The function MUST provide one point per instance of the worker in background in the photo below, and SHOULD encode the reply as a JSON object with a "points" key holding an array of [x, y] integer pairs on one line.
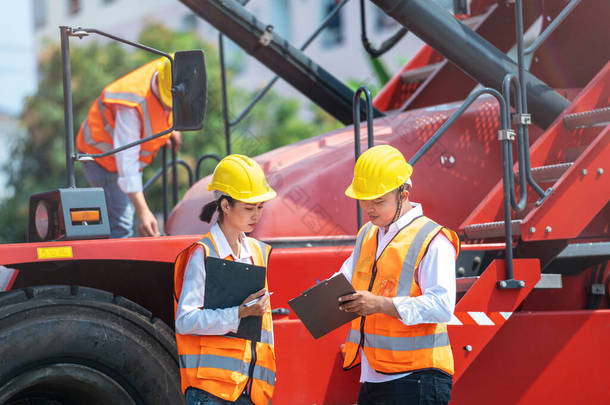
{"points": [[136, 106], [403, 271], [218, 369]]}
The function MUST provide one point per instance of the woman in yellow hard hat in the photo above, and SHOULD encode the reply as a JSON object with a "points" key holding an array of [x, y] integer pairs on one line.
{"points": [[216, 368], [403, 271]]}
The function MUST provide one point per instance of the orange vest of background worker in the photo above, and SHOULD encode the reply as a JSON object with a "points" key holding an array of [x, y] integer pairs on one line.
{"points": [[403, 271], [216, 368], [136, 106]]}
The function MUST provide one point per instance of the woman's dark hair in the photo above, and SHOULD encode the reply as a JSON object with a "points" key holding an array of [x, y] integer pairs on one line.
{"points": [[210, 208]]}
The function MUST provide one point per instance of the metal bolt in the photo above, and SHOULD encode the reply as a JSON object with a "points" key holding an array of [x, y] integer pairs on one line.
{"points": [[503, 284], [521, 283], [600, 171], [468, 348], [584, 172], [548, 229], [461, 271], [532, 229]]}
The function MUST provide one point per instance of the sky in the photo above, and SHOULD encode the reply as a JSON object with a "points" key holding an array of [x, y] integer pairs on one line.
{"points": [[17, 55]]}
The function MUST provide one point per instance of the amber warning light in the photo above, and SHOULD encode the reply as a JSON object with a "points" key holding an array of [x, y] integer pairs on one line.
{"points": [[85, 216]]}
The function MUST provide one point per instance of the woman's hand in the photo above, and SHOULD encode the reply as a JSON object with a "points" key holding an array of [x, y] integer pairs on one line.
{"points": [[257, 309]]}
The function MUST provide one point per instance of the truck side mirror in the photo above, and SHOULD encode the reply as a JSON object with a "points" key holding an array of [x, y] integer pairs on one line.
{"points": [[190, 90]]}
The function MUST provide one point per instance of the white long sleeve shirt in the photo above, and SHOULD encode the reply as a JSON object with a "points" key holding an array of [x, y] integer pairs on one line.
{"points": [[127, 127], [191, 317], [436, 278]]}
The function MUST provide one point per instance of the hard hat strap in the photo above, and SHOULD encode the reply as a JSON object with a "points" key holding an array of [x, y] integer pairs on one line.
{"points": [[398, 204]]}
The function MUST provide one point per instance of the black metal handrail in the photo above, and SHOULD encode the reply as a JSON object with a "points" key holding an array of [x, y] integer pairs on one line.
{"points": [[522, 86], [162, 172], [506, 136], [385, 45], [370, 135], [200, 161], [510, 81]]}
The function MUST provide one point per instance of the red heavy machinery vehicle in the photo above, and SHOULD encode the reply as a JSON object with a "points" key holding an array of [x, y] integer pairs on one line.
{"points": [[87, 320]]}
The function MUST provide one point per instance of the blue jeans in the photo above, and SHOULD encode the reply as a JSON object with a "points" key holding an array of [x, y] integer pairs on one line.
{"points": [[120, 209], [196, 396], [420, 388]]}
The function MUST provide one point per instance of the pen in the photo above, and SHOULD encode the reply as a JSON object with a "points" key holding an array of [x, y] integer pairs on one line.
{"points": [[254, 301]]}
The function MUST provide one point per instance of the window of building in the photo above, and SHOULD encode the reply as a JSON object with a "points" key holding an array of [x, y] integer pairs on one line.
{"points": [[73, 7], [40, 13], [333, 33], [189, 22]]}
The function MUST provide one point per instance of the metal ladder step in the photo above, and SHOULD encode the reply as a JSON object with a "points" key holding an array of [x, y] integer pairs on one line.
{"points": [[595, 118], [419, 74], [549, 173], [491, 229]]}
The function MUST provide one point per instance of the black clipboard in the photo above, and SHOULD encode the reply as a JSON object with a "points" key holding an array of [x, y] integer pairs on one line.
{"points": [[227, 284], [318, 307]]}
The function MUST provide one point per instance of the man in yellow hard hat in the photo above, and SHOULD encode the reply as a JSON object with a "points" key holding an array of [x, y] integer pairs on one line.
{"points": [[135, 106], [403, 271]]}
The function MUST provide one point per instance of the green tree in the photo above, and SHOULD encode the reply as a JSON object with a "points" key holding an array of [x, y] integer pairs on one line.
{"points": [[39, 159]]}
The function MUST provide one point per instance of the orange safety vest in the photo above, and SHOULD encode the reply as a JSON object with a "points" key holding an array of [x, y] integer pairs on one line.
{"points": [[132, 90], [223, 365], [390, 346]]}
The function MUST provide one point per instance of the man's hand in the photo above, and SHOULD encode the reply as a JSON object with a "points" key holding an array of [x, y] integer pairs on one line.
{"points": [[176, 136], [147, 223], [257, 309], [366, 303]]}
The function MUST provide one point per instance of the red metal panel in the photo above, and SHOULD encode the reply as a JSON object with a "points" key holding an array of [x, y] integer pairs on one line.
{"points": [[311, 371], [589, 192], [542, 358], [294, 270], [484, 296]]}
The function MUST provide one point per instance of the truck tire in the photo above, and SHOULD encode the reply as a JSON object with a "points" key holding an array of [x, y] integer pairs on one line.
{"points": [[71, 345]]}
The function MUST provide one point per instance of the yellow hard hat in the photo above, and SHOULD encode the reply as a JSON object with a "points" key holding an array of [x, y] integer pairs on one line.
{"points": [[378, 171], [164, 77], [241, 178]]}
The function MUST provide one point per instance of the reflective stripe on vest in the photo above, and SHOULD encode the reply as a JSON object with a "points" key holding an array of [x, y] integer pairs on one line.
{"points": [[408, 265], [226, 363], [390, 345], [408, 343], [263, 247], [358, 245], [103, 146], [134, 90], [135, 99], [211, 251]]}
